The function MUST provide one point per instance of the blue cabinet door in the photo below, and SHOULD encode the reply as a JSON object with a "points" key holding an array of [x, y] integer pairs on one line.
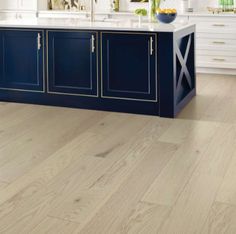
{"points": [[21, 60], [72, 63], [129, 66]]}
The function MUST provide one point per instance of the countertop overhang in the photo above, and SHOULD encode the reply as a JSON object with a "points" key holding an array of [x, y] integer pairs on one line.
{"points": [[81, 24]]}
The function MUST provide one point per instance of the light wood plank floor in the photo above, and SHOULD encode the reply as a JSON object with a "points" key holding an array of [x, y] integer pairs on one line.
{"points": [[80, 171]]}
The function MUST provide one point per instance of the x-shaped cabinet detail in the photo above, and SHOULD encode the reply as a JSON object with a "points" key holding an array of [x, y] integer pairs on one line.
{"points": [[184, 47]]}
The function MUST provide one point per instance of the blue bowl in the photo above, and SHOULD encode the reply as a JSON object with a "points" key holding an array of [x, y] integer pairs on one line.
{"points": [[166, 18]]}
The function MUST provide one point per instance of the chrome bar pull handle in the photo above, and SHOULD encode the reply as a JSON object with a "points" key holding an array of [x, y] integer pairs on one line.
{"points": [[39, 41], [219, 42], [219, 25], [151, 46], [218, 59], [93, 44]]}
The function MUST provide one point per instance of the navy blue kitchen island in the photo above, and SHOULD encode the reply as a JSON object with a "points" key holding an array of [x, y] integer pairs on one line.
{"points": [[133, 69]]}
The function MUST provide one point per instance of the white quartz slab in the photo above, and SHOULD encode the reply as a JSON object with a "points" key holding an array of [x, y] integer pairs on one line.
{"points": [[109, 24], [209, 14]]}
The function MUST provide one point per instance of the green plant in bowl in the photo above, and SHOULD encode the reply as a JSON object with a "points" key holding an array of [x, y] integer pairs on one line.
{"points": [[141, 12]]}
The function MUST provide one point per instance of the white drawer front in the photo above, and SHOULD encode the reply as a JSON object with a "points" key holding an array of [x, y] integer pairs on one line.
{"points": [[214, 19], [207, 52], [216, 24], [216, 28], [217, 42], [216, 47], [215, 36], [216, 61]]}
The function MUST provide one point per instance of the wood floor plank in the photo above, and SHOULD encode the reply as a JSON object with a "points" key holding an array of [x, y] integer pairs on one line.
{"points": [[33, 147], [56, 163], [8, 110], [227, 191], [54, 226], [15, 216], [3, 185], [221, 219], [197, 107], [181, 131], [193, 205], [109, 176], [221, 109], [66, 156], [37, 202], [220, 152], [110, 217], [166, 188], [9, 116], [19, 122], [191, 209], [144, 218], [215, 100], [79, 171], [206, 94], [230, 116]]}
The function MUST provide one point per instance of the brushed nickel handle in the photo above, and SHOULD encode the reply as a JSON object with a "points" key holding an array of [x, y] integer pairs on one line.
{"points": [[93, 44], [219, 25], [219, 42], [218, 59], [39, 41], [151, 46]]}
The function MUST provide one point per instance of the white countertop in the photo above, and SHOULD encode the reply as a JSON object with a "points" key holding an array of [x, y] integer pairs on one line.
{"points": [[131, 14], [208, 14], [108, 24]]}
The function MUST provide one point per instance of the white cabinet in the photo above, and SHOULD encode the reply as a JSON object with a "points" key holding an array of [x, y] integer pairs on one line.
{"points": [[18, 9], [18, 5], [215, 43], [8, 5]]}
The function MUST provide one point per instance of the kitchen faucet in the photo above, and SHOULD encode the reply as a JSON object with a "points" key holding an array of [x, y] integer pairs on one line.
{"points": [[92, 10]]}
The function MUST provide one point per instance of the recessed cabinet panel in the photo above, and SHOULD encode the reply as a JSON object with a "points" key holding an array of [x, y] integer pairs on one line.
{"points": [[129, 66], [18, 5], [9, 4], [72, 61], [22, 60]]}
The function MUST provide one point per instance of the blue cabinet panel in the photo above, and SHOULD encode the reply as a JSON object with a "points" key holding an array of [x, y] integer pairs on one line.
{"points": [[129, 68], [72, 63], [21, 60]]}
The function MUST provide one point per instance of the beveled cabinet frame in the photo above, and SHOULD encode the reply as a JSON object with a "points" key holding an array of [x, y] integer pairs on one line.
{"points": [[156, 67], [43, 62], [97, 63]]}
